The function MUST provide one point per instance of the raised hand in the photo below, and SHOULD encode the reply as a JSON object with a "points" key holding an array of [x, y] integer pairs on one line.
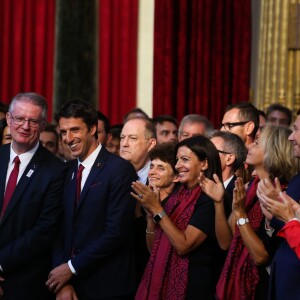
{"points": [[213, 188], [239, 198], [147, 196]]}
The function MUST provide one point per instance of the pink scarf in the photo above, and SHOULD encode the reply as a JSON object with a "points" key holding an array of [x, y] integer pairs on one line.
{"points": [[240, 275], [166, 274]]}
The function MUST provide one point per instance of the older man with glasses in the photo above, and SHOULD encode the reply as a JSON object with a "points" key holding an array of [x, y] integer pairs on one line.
{"points": [[31, 186]]}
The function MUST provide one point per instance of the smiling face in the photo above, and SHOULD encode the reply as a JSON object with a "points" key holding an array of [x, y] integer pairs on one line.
{"points": [[77, 137], [161, 174], [189, 166], [295, 137], [26, 135]]}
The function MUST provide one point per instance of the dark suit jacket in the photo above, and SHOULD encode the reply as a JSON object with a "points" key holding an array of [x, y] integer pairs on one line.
{"points": [[30, 225], [229, 196], [99, 232]]}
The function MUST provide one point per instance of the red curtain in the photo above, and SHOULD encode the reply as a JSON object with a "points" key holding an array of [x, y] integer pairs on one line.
{"points": [[27, 29], [201, 56], [117, 57]]}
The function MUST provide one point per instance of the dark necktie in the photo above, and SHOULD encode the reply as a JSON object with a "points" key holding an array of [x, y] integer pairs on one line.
{"points": [[78, 182], [11, 184]]}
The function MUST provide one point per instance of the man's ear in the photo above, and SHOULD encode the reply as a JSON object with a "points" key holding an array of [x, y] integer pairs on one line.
{"points": [[8, 119], [152, 144], [249, 127], [93, 129], [230, 159]]}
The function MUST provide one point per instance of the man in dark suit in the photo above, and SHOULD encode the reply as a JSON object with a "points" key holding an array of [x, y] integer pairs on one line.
{"points": [[96, 256], [233, 153], [31, 206]]}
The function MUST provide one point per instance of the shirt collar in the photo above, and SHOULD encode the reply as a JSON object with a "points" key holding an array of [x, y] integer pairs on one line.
{"points": [[24, 157], [143, 173], [89, 161], [226, 182]]}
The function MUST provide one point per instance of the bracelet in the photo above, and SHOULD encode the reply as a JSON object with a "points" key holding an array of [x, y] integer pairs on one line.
{"points": [[150, 232]]}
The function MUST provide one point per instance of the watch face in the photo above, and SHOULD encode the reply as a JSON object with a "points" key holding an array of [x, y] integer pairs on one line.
{"points": [[242, 221], [156, 218]]}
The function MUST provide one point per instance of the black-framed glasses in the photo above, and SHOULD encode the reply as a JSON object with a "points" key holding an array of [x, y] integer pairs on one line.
{"points": [[223, 152], [228, 126], [20, 121]]}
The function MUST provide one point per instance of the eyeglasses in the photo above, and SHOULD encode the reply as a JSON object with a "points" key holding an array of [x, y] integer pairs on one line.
{"points": [[228, 126], [20, 121], [223, 152]]}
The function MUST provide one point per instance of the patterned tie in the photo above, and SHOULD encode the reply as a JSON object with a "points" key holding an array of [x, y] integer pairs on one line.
{"points": [[78, 182], [11, 184]]}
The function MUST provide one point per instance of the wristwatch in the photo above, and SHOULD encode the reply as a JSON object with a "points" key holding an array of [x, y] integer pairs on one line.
{"points": [[242, 221], [159, 216]]}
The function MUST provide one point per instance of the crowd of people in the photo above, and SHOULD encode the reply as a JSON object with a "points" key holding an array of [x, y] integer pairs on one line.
{"points": [[148, 209]]}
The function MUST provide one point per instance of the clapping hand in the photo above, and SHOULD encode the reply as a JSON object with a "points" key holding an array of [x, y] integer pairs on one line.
{"points": [[213, 188], [147, 196], [239, 198]]}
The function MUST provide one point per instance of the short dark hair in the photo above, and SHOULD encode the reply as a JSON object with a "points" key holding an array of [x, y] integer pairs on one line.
{"points": [[102, 117], [116, 130], [3, 124], [150, 130], [262, 113], [247, 112], [165, 152], [78, 108], [283, 109], [232, 143], [3, 107], [30, 97], [164, 118], [51, 128], [203, 148]]}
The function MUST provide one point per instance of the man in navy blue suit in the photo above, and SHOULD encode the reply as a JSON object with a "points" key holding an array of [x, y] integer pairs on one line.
{"points": [[31, 207], [95, 260]]}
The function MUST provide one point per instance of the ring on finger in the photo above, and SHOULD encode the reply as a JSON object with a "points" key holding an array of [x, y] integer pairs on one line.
{"points": [[140, 196]]}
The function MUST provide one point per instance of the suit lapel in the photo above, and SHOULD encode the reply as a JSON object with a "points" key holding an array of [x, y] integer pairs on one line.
{"points": [[70, 190], [27, 176], [4, 160], [96, 169]]}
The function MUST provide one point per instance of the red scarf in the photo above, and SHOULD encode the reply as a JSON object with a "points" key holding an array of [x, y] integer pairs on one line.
{"points": [[240, 275], [166, 274]]}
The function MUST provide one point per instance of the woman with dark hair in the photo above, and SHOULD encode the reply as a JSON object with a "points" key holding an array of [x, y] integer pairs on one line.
{"points": [[183, 262], [5, 136]]}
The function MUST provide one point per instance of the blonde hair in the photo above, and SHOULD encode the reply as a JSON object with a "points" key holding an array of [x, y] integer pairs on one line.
{"points": [[279, 160]]}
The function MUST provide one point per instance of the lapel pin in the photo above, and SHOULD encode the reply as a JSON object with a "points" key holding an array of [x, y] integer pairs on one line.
{"points": [[99, 164], [29, 173]]}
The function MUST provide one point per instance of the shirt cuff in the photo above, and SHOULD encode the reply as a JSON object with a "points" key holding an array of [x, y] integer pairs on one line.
{"points": [[72, 268]]}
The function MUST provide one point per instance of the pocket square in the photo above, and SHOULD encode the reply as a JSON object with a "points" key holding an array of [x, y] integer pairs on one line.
{"points": [[95, 184]]}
